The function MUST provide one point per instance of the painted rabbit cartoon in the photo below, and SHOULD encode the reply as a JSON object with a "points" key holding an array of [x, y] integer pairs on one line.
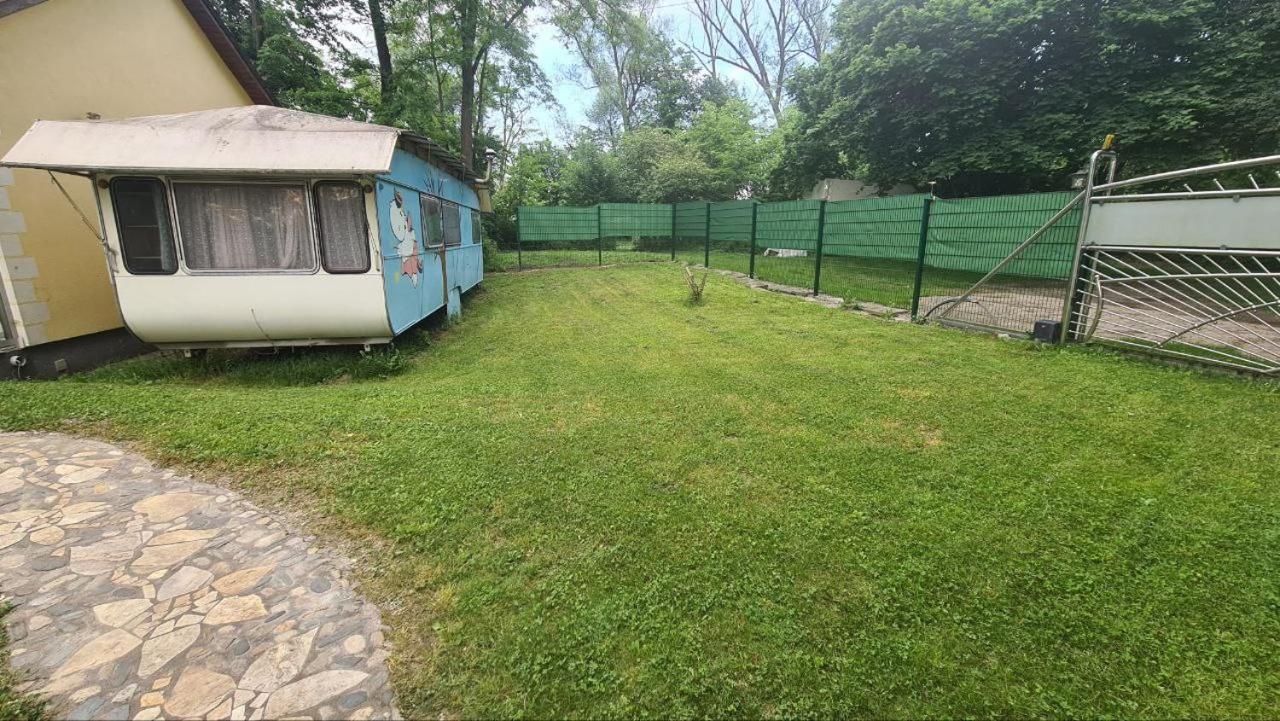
{"points": [[406, 240]]}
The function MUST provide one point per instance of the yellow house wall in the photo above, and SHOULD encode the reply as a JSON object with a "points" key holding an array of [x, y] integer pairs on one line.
{"points": [[62, 60]]}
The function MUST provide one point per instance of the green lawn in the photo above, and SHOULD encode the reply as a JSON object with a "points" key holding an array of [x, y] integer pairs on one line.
{"points": [[592, 499], [878, 280]]}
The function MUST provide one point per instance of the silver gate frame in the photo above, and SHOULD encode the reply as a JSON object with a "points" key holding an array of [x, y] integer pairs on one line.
{"points": [[1102, 194]]}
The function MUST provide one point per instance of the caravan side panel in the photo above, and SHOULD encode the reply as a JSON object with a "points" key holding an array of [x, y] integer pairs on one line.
{"points": [[185, 309], [412, 273]]}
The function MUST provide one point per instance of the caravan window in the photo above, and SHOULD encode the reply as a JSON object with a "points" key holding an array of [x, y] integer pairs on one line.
{"points": [[477, 230], [452, 225], [344, 239], [430, 220], [142, 221], [243, 226]]}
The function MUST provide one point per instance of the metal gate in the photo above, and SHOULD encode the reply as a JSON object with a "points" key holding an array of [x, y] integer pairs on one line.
{"points": [[1193, 274]]}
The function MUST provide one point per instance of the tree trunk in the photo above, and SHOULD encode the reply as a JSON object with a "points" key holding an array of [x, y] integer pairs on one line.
{"points": [[384, 52], [478, 127], [255, 25], [467, 106]]}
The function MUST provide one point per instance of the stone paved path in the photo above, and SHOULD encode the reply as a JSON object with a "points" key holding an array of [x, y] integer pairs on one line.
{"points": [[142, 594]]}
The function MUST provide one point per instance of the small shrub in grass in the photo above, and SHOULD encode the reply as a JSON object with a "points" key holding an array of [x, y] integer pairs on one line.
{"points": [[696, 285]]}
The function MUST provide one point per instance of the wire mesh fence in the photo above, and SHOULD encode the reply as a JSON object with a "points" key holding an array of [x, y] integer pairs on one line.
{"points": [[871, 249], [969, 238], [905, 252], [731, 232], [787, 239], [690, 222]]}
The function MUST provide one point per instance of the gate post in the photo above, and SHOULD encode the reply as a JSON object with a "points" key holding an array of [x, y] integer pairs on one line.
{"points": [[751, 266], [817, 266], [519, 232], [920, 254], [1075, 289], [706, 233], [599, 236]]}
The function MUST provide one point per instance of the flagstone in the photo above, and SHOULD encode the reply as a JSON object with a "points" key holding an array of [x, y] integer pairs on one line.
{"points": [[168, 506], [196, 692], [103, 556], [235, 609], [47, 536], [119, 613], [157, 557], [101, 650], [182, 537], [158, 651], [311, 691], [279, 665], [234, 584], [225, 589], [184, 580], [84, 475]]}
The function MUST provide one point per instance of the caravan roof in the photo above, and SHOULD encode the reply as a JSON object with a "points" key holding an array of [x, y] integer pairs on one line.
{"points": [[241, 140]]}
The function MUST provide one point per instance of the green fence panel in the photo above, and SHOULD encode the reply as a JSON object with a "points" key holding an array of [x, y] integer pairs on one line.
{"points": [[557, 223], [787, 241], [870, 248], [731, 221], [974, 234], [635, 220], [874, 227], [788, 225], [969, 237], [690, 220], [730, 227]]}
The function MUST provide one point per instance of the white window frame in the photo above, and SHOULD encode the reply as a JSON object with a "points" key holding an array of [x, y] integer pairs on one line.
{"points": [[315, 186]]}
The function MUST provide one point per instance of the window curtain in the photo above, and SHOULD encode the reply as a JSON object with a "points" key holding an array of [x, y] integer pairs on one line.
{"points": [[343, 240], [244, 227]]}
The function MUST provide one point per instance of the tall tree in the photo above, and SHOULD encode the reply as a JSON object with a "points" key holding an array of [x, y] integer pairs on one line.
{"points": [[624, 57], [483, 27], [378, 22], [990, 96], [767, 39]]}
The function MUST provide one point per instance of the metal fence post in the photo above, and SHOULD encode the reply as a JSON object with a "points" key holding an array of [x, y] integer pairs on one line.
{"points": [[673, 231], [599, 235], [519, 232], [817, 266], [751, 264], [706, 233], [920, 253]]}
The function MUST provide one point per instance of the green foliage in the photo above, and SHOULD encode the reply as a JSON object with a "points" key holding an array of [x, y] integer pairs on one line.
{"points": [[1008, 95], [719, 154], [594, 500]]}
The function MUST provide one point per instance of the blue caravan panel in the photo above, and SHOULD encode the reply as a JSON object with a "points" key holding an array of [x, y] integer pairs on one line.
{"points": [[404, 257], [412, 273]]}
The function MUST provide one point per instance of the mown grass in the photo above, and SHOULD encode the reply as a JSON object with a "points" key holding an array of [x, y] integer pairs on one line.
{"points": [[877, 280], [593, 499]]}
